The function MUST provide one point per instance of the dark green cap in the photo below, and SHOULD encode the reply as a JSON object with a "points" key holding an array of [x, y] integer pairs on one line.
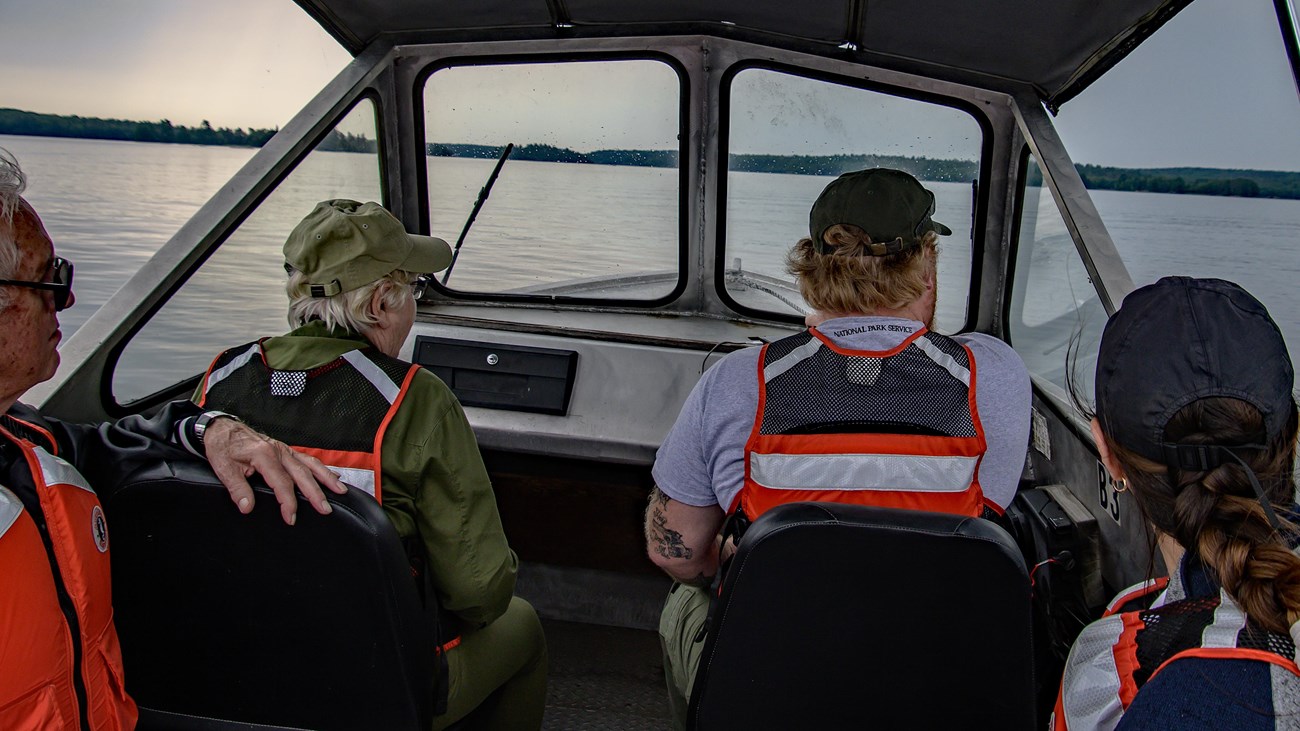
{"points": [[343, 245], [890, 205]]}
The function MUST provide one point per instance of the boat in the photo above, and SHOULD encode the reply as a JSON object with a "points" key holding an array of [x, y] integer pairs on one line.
{"points": [[573, 346]]}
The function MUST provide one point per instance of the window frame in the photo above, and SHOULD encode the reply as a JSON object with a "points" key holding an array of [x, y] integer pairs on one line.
{"points": [[683, 173], [979, 213], [108, 397]]}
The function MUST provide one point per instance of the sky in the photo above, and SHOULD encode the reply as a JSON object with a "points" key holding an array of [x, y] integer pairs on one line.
{"points": [[1211, 88]]}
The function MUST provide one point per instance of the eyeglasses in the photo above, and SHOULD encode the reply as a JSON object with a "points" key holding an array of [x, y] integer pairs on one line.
{"points": [[58, 281], [420, 284]]}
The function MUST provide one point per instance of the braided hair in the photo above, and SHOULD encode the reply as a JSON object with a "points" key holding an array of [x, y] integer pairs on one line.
{"points": [[1215, 512]]}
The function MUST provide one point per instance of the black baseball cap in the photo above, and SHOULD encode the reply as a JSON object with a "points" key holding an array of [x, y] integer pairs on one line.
{"points": [[1180, 340], [890, 205]]}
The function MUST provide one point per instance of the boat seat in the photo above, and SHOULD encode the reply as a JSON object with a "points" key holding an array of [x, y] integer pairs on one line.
{"points": [[240, 622], [837, 616]]}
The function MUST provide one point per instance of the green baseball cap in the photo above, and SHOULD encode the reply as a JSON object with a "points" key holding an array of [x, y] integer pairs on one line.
{"points": [[342, 245], [890, 205]]}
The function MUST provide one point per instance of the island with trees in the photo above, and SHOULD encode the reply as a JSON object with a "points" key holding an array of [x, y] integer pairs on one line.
{"points": [[1187, 180]]}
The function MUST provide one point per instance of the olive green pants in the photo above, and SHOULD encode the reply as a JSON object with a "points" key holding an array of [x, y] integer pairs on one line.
{"points": [[497, 675], [683, 616]]}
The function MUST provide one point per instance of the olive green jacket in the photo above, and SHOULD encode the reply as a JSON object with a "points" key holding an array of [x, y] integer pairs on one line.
{"points": [[433, 480]]}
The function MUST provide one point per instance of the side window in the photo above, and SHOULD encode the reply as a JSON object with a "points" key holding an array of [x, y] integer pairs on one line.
{"points": [[1192, 158], [588, 203], [788, 136], [237, 295], [1056, 316]]}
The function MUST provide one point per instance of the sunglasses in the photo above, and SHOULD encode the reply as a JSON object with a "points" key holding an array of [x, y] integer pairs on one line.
{"points": [[420, 285], [59, 281]]}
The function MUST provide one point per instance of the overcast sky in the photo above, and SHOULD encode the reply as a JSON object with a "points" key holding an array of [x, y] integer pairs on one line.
{"points": [[1211, 88]]}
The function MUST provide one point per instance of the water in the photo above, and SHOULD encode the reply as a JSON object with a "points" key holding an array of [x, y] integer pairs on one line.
{"points": [[110, 205]]}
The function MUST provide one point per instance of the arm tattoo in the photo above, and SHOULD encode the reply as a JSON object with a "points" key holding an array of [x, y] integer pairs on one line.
{"points": [[667, 542]]}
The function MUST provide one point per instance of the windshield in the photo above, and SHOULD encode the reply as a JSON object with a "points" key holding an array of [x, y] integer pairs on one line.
{"points": [[588, 202], [790, 135]]}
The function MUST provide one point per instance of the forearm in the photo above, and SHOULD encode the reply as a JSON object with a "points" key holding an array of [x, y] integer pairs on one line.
{"points": [[682, 539], [107, 453]]}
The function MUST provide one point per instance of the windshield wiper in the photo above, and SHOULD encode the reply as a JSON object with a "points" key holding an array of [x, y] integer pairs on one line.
{"points": [[483, 194]]}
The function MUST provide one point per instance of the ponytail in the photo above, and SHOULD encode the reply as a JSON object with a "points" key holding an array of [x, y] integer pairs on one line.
{"points": [[1215, 512]]}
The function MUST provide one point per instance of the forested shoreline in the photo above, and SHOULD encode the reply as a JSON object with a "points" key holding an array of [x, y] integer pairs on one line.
{"points": [[1186, 180]]}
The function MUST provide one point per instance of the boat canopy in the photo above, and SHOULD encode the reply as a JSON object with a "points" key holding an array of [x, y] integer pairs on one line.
{"points": [[1058, 48]]}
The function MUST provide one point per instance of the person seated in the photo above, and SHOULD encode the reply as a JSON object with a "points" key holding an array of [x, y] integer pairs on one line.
{"points": [[60, 658], [334, 388], [1195, 418], [867, 406]]}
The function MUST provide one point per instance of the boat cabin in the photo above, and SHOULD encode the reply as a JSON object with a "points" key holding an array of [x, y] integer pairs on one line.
{"points": [[622, 181]]}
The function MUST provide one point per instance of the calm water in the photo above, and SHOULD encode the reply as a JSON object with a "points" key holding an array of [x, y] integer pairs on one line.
{"points": [[110, 205]]}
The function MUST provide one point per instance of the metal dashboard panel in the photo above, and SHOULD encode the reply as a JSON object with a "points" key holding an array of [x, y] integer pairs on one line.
{"points": [[625, 395], [499, 376]]}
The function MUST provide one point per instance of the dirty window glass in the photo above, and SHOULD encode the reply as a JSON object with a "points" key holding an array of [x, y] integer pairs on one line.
{"points": [[1056, 317], [587, 204], [237, 295], [789, 136]]}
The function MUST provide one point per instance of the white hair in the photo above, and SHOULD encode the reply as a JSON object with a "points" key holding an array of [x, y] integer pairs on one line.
{"points": [[347, 310], [12, 185]]}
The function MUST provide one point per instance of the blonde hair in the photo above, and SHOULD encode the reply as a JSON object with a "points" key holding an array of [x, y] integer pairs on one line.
{"points": [[850, 279], [347, 310]]}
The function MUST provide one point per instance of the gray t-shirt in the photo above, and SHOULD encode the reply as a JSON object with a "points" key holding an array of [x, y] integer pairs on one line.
{"points": [[702, 460]]}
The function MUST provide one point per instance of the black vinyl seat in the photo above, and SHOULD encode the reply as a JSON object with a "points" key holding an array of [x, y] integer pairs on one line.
{"points": [[231, 621], [839, 616]]}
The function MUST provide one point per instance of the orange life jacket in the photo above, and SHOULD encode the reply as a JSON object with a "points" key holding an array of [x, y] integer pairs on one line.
{"points": [[896, 428], [60, 663], [304, 408]]}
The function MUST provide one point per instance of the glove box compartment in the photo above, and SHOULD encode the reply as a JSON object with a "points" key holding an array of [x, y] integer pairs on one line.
{"points": [[512, 377]]}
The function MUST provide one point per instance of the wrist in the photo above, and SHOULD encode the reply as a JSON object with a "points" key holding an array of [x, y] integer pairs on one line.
{"points": [[203, 424]]}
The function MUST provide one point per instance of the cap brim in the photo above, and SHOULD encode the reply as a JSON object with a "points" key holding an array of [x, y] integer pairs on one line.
{"points": [[428, 254], [940, 229]]}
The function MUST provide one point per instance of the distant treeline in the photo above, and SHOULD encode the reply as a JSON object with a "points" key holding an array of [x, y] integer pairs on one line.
{"points": [[1200, 181], [18, 122], [921, 167], [924, 168], [1204, 181], [551, 153]]}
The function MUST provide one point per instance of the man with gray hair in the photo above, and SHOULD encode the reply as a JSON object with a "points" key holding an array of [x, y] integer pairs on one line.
{"points": [[334, 387], [62, 667]]}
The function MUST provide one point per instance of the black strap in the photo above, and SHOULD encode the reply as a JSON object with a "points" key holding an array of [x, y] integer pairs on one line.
{"points": [[1204, 457]]}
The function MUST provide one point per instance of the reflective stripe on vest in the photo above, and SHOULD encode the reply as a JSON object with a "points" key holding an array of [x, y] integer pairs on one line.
{"points": [[74, 523], [1104, 674], [354, 468], [10, 508], [358, 471], [356, 465], [914, 473], [918, 471], [380, 380], [218, 375]]}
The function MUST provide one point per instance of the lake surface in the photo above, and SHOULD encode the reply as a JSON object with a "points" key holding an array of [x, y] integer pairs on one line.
{"points": [[109, 205]]}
